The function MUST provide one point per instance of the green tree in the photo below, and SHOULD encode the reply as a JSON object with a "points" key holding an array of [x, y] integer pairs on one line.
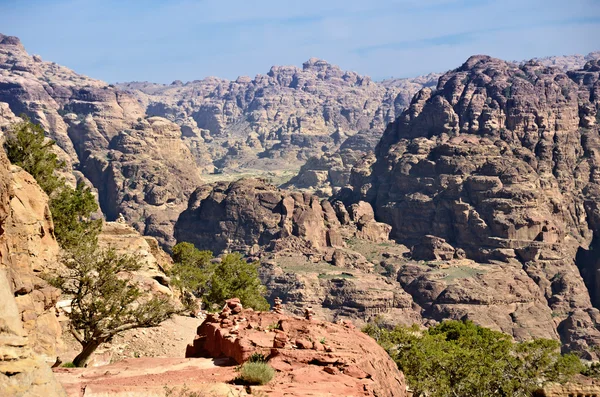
{"points": [[105, 301], [71, 210], [27, 147], [192, 268], [216, 281], [458, 358], [233, 277]]}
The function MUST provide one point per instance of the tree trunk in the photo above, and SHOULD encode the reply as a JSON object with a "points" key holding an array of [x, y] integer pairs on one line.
{"points": [[83, 357]]}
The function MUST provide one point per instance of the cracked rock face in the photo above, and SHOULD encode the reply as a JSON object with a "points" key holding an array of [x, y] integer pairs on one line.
{"points": [[501, 162], [29, 329]]}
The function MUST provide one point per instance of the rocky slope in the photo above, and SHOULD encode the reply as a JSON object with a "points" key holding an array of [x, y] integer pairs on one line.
{"points": [[29, 330], [311, 357], [501, 163], [312, 176]]}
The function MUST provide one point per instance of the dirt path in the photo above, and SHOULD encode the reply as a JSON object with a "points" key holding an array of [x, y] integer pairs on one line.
{"points": [[151, 377]]}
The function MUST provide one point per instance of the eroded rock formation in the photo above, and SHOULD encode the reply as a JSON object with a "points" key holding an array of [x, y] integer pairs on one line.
{"points": [[501, 162], [280, 119]]}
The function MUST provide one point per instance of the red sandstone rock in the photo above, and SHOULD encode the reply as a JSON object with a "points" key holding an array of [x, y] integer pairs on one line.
{"points": [[350, 364]]}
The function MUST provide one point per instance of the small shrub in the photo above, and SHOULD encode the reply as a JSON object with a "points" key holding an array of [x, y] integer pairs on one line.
{"points": [[256, 373], [69, 365], [323, 341], [273, 326], [257, 358]]}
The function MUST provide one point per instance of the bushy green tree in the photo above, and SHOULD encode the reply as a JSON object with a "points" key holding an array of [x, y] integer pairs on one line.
{"points": [[71, 210], [216, 281], [27, 147], [105, 302], [457, 358], [233, 277]]}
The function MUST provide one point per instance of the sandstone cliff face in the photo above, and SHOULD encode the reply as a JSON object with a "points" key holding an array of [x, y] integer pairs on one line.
{"points": [[251, 216], [313, 252], [500, 162], [327, 174], [145, 167], [29, 330]]}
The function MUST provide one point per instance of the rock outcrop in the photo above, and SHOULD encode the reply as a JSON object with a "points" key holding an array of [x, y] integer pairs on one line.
{"points": [[251, 215], [280, 119], [568, 62], [327, 174], [501, 163], [310, 357], [26, 246], [145, 166], [154, 262]]}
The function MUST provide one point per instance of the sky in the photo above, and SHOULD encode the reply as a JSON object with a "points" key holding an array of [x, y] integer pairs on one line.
{"points": [[166, 40]]}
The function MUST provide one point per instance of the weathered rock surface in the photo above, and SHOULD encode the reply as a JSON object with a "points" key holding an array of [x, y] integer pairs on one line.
{"points": [[500, 162], [250, 215], [580, 386], [568, 62], [26, 299], [327, 174], [311, 357], [279, 119], [154, 262], [140, 166]]}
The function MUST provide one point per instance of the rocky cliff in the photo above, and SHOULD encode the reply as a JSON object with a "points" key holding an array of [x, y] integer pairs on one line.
{"points": [[280, 119], [145, 166], [29, 330], [139, 166], [500, 163]]}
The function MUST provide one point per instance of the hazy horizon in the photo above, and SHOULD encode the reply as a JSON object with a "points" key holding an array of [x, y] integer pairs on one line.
{"points": [[160, 41]]}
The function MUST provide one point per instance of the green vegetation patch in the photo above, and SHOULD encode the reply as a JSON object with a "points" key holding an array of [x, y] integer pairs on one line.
{"points": [[457, 358]]}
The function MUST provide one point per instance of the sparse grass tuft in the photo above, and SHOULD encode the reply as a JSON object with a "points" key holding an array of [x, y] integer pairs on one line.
{"points": [[68, 365]]}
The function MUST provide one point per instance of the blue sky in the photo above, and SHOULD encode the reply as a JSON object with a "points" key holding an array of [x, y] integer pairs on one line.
{"points": [[163, 41]]}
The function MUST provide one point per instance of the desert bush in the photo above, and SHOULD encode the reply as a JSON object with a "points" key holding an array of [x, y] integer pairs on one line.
{"points": [[257, 358], [256, 373]]}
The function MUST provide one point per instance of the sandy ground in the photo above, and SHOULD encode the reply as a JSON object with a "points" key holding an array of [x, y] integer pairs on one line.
{"points": [[152, 377], [167, 340]]}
